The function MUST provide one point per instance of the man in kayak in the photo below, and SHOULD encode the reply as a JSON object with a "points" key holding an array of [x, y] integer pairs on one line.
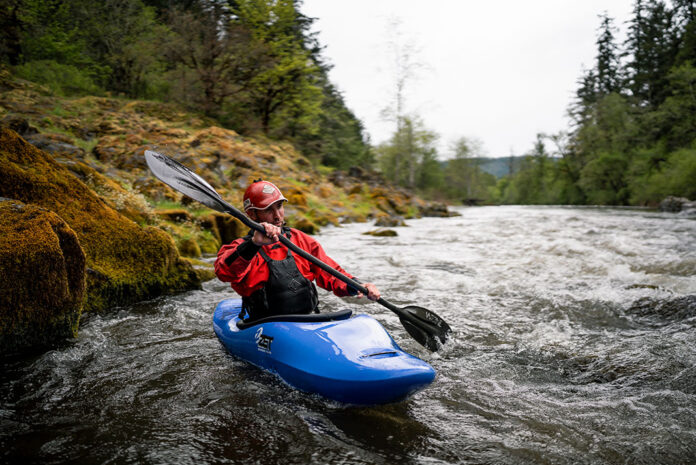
{"points": [[268, 276]]}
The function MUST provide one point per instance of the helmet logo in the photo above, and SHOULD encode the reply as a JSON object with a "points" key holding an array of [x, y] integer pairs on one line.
{"points": [[268, 189]]}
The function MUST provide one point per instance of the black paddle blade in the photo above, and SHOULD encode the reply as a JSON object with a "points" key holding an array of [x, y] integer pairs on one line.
{"points": [[184, 180], [426, 327]]}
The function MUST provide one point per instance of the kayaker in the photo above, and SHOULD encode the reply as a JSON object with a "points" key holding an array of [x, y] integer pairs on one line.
{"points": [[268, 276]]}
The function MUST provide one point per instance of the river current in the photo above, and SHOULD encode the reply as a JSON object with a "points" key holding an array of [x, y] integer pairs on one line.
{"points": [[575, 342]]}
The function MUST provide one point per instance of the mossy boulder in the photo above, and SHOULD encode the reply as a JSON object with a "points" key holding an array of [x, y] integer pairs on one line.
{"points": [[188, 247], [381, 232], [128, 203], [225, 228], [304, 225], [42, 286], [177, 215], [125, 262], [386, 221], [438, 210]]}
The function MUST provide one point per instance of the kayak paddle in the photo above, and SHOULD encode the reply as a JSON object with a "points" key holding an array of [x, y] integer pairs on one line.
{"points": [[423, 325]]}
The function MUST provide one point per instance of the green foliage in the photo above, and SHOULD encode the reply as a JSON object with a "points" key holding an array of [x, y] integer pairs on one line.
{"points": [[676, 117], [340, 141], [631, 135], [110, 42], [253, 65], [662, 176], [407, 158], [463, 178], [603, 180], [65, 80]]}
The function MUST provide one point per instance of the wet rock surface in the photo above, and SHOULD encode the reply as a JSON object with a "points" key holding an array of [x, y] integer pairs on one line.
{"points": [[125, 261], [42, 279]]}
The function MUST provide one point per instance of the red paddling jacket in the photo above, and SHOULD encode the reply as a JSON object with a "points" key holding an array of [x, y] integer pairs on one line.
{"points": [[240, 264]]}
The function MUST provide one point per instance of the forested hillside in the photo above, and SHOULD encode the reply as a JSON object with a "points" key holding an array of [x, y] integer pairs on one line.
{"points": [[253, 65]]}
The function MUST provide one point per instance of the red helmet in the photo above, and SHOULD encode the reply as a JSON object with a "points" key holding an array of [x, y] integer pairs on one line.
{"points": [[261, 194]]}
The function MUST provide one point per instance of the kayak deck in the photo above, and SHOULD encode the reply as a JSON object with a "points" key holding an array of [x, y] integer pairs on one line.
{"points": [[351, 360]]}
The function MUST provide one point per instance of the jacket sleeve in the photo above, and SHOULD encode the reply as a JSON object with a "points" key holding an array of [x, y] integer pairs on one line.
{"points": [[235, 264], [324, 279]]}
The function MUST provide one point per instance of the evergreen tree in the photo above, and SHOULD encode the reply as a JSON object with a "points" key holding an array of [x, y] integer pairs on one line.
{"points": [[652, 46], [341, 141], [608, 78], [685, 18], [285, 96], [10, 31], [604, 78], [585, 98]]}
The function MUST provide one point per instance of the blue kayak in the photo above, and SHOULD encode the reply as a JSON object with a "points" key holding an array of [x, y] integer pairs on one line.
{"points": [[348, 359]]}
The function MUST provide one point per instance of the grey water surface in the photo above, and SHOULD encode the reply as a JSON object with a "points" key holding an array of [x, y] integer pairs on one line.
{"points": [[575, 342]]}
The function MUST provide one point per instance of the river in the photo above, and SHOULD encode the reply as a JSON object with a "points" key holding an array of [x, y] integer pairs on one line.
{"points": [[575, 342]]}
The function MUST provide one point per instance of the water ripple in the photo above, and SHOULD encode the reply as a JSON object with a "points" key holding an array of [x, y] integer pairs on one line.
{"points": [[574, 343]]}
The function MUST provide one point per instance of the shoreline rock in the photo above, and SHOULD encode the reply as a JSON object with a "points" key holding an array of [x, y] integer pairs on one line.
{"points": [[437, 210], [123, 262], [673, 204], [381, 232], [388, 221], [43, 278]]}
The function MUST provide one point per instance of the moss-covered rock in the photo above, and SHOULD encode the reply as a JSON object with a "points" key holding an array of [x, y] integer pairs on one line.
{"points": [[225, 228], [304, 225], [42, 282], [178, 215], [125, 262], [438, 210], [188, 247], [381, 232], [128, 203], [387, 221]]}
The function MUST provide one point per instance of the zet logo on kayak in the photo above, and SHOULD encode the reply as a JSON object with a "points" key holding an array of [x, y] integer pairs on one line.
{"points": [[263, 342]]}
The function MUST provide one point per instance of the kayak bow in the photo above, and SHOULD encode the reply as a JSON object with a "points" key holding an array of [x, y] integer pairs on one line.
{"points": [[350, 360]]}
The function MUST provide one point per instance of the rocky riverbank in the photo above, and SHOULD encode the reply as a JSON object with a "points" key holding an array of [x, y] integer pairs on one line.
{"points": [[86, 227], [65, 250]]}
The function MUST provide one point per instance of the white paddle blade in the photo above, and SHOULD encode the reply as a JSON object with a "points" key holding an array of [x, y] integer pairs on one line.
{"points": [[183, 180]]}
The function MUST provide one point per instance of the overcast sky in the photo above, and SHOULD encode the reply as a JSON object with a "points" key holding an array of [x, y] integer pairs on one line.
{"points": [[498, 71]]}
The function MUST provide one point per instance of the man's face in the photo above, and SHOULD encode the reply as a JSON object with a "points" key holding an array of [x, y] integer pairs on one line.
{"points": [[273, 214]]}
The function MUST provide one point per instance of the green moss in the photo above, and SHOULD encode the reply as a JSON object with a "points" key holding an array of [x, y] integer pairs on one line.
{"points": [[125, 262], [42, 266], [303, 224], [325, 170], [166, 205], [381, 233], [60, 111], [188, 247], [208, 243], [87, 145]]}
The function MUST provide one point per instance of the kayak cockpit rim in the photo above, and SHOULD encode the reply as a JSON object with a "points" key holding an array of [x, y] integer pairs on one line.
{"points": [[298, 318]]}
